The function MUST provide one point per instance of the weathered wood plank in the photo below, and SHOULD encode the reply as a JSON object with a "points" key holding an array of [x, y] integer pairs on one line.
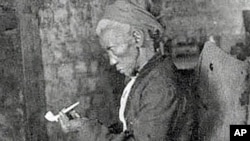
{"points": [[223, 86], [34, 94]]}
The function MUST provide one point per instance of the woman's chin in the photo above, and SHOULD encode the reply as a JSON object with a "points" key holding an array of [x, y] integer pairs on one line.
{"points": [[126, 73]]}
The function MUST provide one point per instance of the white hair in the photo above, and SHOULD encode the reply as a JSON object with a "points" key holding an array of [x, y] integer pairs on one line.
{"points": [[105, 24]]}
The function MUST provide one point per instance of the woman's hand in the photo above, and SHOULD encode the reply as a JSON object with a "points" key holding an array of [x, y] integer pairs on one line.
{"points": [[72, 125]]}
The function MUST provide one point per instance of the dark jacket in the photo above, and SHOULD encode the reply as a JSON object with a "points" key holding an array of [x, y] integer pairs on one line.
{"points": [[155, 110]]}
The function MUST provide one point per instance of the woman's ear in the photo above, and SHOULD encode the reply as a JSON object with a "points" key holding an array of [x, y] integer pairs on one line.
{"points": [[138, 37]]}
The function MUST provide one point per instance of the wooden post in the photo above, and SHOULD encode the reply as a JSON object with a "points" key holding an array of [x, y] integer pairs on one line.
{"points": [[33, 75], [246, 20]]}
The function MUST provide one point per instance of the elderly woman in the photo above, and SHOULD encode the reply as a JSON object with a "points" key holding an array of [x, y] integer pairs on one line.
{"points": [[151, 109]]}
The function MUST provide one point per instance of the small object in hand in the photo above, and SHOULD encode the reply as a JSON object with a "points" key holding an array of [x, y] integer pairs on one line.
{"points": [[54, 118], [51, 117]]}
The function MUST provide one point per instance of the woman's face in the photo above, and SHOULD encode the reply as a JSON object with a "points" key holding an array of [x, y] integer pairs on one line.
{"points": [[121, 49]]}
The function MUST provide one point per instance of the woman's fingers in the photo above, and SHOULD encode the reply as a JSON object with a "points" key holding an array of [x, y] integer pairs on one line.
{"points": [[70, 125], [74, 114], [64, 122]]}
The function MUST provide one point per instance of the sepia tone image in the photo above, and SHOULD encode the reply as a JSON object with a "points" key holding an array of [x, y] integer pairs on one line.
{"points": [[123, 70]]}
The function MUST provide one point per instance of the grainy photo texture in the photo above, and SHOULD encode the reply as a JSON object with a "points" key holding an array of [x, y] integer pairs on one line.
{"points": [[124, 70]]}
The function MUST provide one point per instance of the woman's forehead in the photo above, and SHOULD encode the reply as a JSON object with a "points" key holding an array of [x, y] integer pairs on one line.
{"points": [[115, 31], [113, 36]]}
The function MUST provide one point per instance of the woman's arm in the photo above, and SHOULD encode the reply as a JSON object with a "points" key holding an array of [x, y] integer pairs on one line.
{"points": [[89, 130]]}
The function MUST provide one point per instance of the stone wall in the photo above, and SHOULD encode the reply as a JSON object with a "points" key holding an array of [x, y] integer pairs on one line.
{"points": [[75, 68]]}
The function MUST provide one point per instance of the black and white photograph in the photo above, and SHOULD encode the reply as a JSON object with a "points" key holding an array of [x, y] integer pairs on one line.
{"points": [[124, 70]]}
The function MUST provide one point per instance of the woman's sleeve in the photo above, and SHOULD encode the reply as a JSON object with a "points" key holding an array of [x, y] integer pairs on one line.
{"points": [[93, 130]]}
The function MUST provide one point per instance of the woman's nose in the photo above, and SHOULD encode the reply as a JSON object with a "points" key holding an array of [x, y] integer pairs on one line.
{"points": [[112, 61]]}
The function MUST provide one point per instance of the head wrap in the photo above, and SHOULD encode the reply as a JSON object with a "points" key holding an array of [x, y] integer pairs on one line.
{"points": [[124, 11]]}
